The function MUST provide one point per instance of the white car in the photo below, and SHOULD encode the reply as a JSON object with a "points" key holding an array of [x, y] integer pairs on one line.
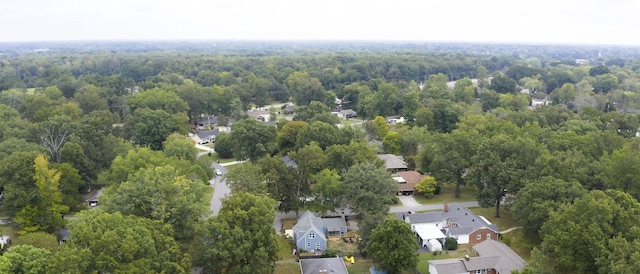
{"points": [[218, 172]]}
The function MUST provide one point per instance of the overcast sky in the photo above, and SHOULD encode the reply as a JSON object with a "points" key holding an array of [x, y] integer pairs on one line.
{"points": [[542, 21]]}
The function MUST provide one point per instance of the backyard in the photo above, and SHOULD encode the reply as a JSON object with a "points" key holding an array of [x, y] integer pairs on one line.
{"points": [[447, 195]]}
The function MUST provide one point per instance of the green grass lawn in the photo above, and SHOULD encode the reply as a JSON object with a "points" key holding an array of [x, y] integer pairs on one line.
{"points": [[504, 222], [447, 195], [288, 267], [424, 258], [217, 159]]}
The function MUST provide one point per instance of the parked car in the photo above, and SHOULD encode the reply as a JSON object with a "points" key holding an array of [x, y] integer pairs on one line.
{"points": [[218, 172]]}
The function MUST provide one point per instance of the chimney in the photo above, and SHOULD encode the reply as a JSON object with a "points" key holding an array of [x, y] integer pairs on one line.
{"points": [[466, 257], [446, 207]]}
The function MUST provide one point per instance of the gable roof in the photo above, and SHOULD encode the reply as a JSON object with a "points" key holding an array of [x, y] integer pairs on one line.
{"points": [[208, 133], [307, 222], [214, 120], [289, 162], [411, 177], [507, 260], [462, 220], [331, 265], [393, 161]]}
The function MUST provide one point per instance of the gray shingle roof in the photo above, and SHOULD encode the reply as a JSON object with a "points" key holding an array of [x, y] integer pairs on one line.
{"points": [[334, 224], [289, 162], [393, 161], [307, 221], [508, 259], [449, 266], [331, 265], [208, 133], [463, 221]]}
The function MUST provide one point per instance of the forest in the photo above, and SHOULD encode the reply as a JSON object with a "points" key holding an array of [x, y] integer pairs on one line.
{"points": [[547, 132]]}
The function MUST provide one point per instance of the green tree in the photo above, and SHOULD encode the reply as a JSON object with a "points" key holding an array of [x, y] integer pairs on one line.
{"points": [[391, 143], [392, 246], [287, 135], [46, 213], [241, 239], [28, 259], [446, 115], [17, 179], [621, 169], [344, 156], [151, 127], [322, 133], [452, 156], [224, 145], [180, 146], [328, 190], [40, 240], [424, 117], [306, 89], [539, 198], [503, 84], [70, 186], [159, 193], [370, 188], [247, 177], [113, 243], [427, 186], [158, 99], [252, 139], [501, 167], [381, 126], [586, 236]]}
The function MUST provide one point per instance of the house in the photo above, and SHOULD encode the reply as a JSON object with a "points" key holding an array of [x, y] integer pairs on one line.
{"points": [[407, 182], [289, 162], [310, 232], [205, 136], [63, 235], [393, 163], [538, 102], [288, 110], [260, 115], [92, 201], [454, 221], [345, 114], [493, 257], [394, 120], [323, 266], [213, 121]]}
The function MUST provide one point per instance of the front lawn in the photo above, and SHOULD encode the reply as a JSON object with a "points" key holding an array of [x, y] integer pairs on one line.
{"points": [[448, 195]]}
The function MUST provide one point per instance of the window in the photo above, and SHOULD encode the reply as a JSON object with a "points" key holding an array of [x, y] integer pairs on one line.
{"points": [[312, 235], [478, 237], [308, 245], [488, 235], [317, 245], [478, 272]]}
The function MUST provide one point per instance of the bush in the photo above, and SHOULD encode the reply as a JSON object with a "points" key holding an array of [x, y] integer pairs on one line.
{"points": [[451, 243], [329, 253]]}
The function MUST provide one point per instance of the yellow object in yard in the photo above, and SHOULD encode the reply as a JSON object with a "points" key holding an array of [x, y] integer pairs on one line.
{"points": [[350, 259]]}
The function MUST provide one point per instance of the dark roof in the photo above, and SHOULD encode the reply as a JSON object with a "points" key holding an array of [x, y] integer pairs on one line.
{"points": [[449, 266], [289, 162], [507, 260], [64, 234], [334, 224], [214, 120], [331, 265], [208, 133], [462, 219]]}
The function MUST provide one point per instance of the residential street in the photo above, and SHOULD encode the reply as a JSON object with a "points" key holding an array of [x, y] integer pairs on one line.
{"points": [[220, 189]]}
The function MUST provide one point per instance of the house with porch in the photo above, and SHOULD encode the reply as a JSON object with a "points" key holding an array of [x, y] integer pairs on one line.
{"points": [[310, 232], [453, 221]]}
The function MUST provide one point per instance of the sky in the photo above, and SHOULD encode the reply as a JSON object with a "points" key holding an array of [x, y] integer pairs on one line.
{"points": [[611, 22]]}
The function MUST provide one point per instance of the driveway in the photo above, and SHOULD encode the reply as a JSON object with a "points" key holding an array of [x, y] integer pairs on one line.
{"points": [[408, 200], [220, 189]]}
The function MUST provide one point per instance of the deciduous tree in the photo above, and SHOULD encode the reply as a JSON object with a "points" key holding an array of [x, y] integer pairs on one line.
{"points": [[393, 246]]}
